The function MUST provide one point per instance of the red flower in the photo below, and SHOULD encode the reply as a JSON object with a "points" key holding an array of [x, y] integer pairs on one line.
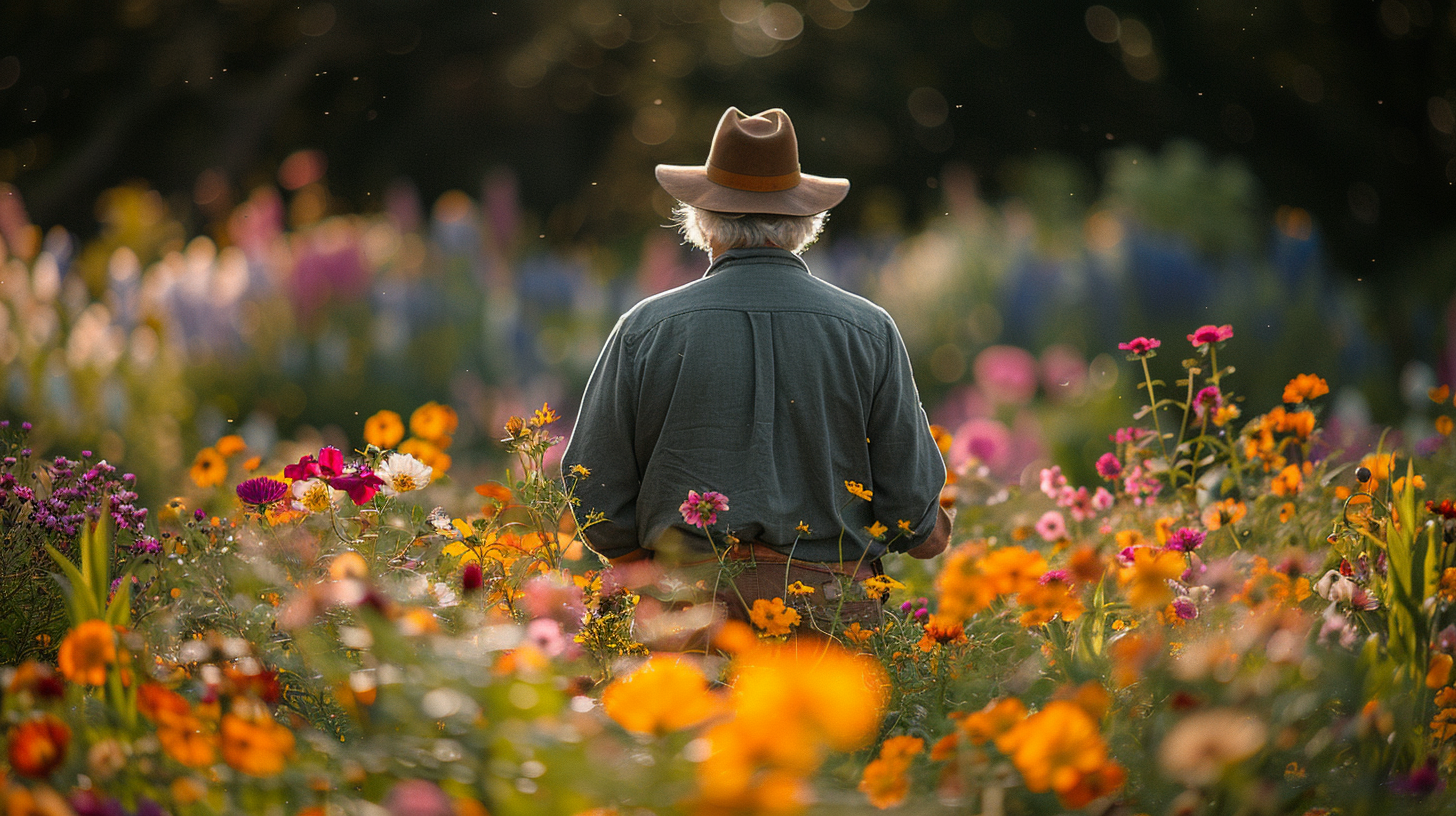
{"points": [[1211, 334], [38, 746], [1141, 346]]}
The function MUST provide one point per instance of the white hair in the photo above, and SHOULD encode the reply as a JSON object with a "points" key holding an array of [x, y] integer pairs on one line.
{"points": [[705, 229]]}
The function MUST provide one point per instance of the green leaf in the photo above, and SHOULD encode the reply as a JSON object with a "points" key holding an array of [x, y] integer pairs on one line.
{"points": [[83, 603]]}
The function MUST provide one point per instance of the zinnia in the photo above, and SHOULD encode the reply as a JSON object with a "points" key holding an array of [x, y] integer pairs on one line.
{"points": [[1210, 334], [261, 491], [1141, 346], [87, 652]]}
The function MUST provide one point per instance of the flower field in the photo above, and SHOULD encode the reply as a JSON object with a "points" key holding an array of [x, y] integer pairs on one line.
{"points": [[1235, 617]]}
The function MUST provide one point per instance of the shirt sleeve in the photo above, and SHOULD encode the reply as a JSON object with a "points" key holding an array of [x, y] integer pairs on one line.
{"points": [[603, 443], [907, 469]]}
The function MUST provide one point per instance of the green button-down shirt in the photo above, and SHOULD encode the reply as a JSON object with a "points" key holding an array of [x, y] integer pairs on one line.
{"points": [[772, 387]]}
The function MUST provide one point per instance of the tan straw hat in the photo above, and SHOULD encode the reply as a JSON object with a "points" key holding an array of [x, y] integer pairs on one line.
{"points": [[753, 167]]}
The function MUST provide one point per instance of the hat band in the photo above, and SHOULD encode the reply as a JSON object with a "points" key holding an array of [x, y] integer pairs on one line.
{"points": [[752, 184]]}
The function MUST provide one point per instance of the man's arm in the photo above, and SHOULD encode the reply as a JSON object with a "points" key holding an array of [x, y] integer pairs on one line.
{"points": [[938, 539]]}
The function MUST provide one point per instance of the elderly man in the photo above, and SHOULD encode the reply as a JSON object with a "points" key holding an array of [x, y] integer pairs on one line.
{"points": [[783, 403]]}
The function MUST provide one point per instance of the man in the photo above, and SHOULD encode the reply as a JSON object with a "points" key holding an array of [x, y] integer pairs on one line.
{"points": [[786, 395]]}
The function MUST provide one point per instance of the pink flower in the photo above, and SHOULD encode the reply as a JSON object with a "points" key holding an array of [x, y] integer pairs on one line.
{"points": [[1186, 539], [1007, 374], [1052, 481], [1211, 334], [1141, 346], [1054, 576], [1185, 608], [1207, 401], [1108, 466], [701, 510], [1051, 526], [1102, 500]]}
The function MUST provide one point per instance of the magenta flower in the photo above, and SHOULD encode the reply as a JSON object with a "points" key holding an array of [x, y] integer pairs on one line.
{"points": [[1184, 608], [1186, 539], [1054, 576], [1211, 334], [261, 492], [472, 578], [360, 483], [1108, 466], [1207, 401], [1141, 346], [701, 510]]}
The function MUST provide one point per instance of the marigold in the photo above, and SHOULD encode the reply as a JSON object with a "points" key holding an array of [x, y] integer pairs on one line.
{"points": [[886, 780], [1055, 747], [434, 423], [773, 618], [1148, 576], [1444, 425], [229, 445], [859, 490], [1438, 670], [37, 746], [384, 430], [877, 530], [940, 631], [962, 588], [1439, 394], [87, 652], [857, 634], [1305, 387], [799, 588], [1105, 781], [995, 719], [1223, 513], [209, 468], [1046, 601], [428, 452], [663, 695], [1009, 570], [256, 744]]}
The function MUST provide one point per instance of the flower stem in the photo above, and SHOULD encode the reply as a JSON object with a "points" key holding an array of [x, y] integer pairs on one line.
{"points": [[1153, 407]]}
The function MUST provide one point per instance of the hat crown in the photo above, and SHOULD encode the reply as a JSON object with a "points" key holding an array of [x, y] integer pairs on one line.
{"points": [[760, 145]]}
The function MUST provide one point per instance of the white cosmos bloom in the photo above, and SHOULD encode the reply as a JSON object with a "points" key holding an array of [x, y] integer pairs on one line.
{"points": [[313, 495], [402, 473]]}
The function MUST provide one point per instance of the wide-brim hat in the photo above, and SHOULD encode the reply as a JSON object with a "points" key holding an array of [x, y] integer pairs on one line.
{"points": [[753, 167]]}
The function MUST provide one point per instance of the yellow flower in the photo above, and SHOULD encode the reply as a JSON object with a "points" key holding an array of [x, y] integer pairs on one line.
{"points": [[384, 430], [1288, 482], [88, 652], [580, 470], [857, 634], [773, 618], [1417, 483], [904, 526], [1286, 512], [876, 530], [1438, 671], [961, 586], [859, 490], [998, 717], [1223, 414], [1147, 579], [803, 529], [1221, 513], [1047, 601], [880, 585], [209, 469], [662, 696], [1009, 570], [544, 416], [799, 588]]}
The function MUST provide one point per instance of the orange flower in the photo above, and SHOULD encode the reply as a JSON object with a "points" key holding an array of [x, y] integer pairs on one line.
{"points": [[1444, 425], [942, 438], [1012, 569], [879, 586], [434, 423], [938, 631], [1048, 600], [1288, 482], [37, 746], [998, 717], [1438, 670], [1055, 747], [1147, 579], [229, 445], [384, 430], [495, 492], [799, 588], [857, 634], [1439, 394], [876, 530], [1305, 387], [255, 744], [773, 618], [543, 416], [1286, 512], [1086, 565], [662, 696], [1222, 513], [428, 452], [859, 490], [886, 779], [1104, 781], [88, 652], [963, 589], [209, 469]]}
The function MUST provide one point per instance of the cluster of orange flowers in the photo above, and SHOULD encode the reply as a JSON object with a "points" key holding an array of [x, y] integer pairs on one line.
{"points": [[1268, 439], [785, 707], [972, 578], [432, 427], [1058, 748], [210, 466], [1270, 586]]}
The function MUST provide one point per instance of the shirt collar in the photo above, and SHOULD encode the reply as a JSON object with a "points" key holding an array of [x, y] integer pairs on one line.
{"points": [[756, 255]]}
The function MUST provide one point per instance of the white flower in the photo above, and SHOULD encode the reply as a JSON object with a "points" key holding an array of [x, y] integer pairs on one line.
{"points": [[313, 495], [402, 473]]}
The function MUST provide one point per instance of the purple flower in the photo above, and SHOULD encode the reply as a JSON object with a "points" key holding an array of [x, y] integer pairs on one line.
{"points": [[1185, 608], [261, 491], [701, 510], [1186, 539], [1210, 334], [1108, 466], [146, 545], [1141, 346]]}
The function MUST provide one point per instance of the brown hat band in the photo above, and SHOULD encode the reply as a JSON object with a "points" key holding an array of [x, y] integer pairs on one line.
{"points": [[752, 184]]}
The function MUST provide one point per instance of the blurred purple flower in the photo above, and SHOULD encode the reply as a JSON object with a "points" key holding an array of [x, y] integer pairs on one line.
{"points": [[1186, 539]]}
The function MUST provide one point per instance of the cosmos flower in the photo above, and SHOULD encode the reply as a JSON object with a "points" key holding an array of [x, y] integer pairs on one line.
{"points": [[401, 473], [701, 510], [1210, 334]]}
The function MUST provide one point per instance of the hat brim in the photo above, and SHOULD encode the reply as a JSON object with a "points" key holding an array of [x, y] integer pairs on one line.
{"points": [[812, 195]]}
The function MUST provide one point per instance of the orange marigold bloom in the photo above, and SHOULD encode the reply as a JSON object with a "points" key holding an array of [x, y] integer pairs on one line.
{"points": [[1130, 538], [1009, 570], [1130, 653], [229, 445], [995, 719], [879, 586], [1147, 579], [1444, 425], [1439, 394], [256, 745], [800, 588], [209, 469], [661, 696], [886, 780], [1438, 670], [434, 423], [189, 740], [88, 652], [428, 452], [1104, 781], [963, 589], [1163, 527], [942, 438], [1047, 600], [1305, 387], [939, 630], [496, 492], [773, 618], [384, 430], [1055, 747], [1086, 565], [37, 746], [1286, 512], [1222, 513], [1288, 482]]}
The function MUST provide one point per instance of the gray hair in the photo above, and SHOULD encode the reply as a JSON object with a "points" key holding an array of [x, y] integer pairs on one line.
{"points": [[704, 228]]}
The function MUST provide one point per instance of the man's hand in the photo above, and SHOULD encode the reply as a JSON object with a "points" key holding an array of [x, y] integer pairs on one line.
{"points": [[939, 538]]}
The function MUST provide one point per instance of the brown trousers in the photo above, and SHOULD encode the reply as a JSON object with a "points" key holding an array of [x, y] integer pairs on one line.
{"points": [[754, 571]]}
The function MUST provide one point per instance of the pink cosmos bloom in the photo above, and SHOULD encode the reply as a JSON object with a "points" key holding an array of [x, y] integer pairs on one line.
{"points": [[1102, 500], [1211, 334], [1124, 436], [1051, 526], [1141, 346], [361, 484], [701, 510], [1108, 466], [1052, 481]]}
